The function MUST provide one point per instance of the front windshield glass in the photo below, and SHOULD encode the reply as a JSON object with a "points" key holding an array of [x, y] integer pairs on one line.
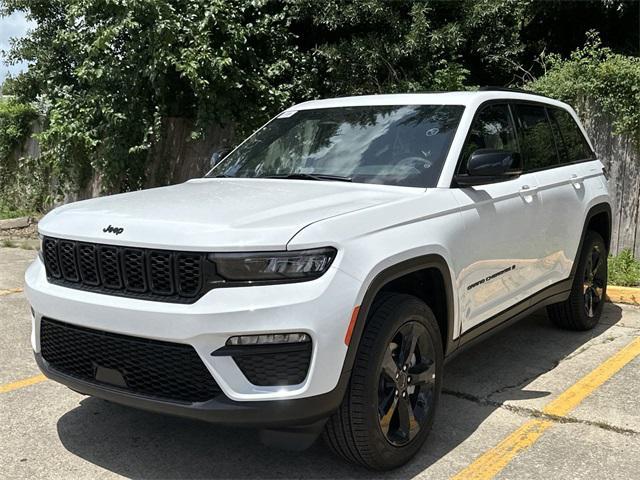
{"points": [[402, 145]]}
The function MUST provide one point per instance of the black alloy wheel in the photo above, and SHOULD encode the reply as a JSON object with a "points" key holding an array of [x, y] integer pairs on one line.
{"points": [[585, 303], [594, 280], [392, 397], [407, 381]]}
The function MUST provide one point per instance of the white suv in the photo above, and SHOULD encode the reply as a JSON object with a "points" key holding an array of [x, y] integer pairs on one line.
{"points": [[318, 278]]}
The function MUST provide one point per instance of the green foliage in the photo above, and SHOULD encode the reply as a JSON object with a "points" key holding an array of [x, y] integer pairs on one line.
{"points": [[105, 72], [597, 73], [6, 212], [624, 270], [21, 181], [26, 188], [15, 119], [379, 46]]}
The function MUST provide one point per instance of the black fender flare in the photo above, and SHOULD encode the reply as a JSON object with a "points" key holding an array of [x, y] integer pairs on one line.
{"points": [[592, 212], [384, 277]]}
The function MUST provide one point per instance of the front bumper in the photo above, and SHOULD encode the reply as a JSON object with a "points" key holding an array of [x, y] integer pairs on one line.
{"points": [[220, 410], [320, 308]]}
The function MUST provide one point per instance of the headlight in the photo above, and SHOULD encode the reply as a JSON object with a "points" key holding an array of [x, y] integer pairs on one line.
{"points": [[273, 266]]}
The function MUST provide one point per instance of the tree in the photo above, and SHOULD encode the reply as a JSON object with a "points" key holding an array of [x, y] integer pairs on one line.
{"points": [[594, 73], [105, 73], [379, 46]]}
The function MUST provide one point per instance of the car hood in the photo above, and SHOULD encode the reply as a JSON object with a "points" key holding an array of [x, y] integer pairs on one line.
{"points": [[221, 214]]}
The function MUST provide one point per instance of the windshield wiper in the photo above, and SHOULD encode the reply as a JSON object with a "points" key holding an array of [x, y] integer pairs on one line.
{"points": [[311, 176]]}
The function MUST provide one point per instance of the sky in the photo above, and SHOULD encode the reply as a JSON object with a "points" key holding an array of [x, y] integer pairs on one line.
{"points": [[15, 25]]}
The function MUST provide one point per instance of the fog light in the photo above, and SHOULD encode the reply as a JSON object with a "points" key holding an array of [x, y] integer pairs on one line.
{"points": [[269, 339]]}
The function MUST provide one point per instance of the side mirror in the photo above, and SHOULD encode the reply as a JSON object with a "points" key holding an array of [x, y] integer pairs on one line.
{"points": [[218, 155], [490, 166]]}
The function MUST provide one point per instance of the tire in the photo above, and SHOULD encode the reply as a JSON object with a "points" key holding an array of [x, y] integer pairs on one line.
{"points": [[358, 431], [590, 281]]}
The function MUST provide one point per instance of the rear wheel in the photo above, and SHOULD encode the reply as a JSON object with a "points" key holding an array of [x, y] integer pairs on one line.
{"points": [[582, 310], [391, 400]]}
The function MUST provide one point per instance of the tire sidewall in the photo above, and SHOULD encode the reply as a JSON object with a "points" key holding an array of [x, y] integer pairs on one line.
{"points": [[592, 239], [411, 309]]}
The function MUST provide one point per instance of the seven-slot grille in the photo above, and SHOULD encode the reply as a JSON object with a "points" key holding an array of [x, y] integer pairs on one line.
{"points": [[160, 275], [147, 367]]}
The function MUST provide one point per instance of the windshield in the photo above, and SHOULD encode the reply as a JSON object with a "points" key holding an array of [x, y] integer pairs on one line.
{"points": [[402, 145]]}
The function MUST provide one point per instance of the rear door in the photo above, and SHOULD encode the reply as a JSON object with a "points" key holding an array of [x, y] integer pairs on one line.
{"points": [[498, 257], [564, 193]]}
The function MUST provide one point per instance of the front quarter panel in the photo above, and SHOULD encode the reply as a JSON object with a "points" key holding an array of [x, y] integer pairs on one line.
{"points": [[378, 238]]}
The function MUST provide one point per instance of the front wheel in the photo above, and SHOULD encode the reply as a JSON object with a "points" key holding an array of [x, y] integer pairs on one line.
{"points": [[395, 385], [582, 310]]}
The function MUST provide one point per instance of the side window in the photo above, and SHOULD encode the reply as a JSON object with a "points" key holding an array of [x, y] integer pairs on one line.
{"points": [[537, 143], [572, 145], [492, 128]]}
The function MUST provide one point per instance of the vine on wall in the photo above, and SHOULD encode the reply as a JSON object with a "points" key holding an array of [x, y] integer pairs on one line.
{"points": [[595, 72]]}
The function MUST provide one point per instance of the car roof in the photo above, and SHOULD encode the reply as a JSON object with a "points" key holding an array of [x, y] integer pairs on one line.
{"points": [[474, 99]]}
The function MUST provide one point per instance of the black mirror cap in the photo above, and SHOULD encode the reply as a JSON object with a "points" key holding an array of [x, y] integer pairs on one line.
{"points": [[487, 165], [218, 155], [487, 162]]}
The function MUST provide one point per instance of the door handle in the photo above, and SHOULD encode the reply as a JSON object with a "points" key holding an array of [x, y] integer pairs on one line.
{"points": [[576, 181], [527, 192]]}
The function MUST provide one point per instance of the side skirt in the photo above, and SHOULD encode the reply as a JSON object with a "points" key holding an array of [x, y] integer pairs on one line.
{"points": [[558, 292]]}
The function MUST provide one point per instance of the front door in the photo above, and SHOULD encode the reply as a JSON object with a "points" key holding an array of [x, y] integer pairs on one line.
{"points": [[498, 259]]}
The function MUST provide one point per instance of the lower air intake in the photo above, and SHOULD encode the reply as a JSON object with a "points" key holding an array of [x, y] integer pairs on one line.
{"points": [[288, 367], [151, 368]]}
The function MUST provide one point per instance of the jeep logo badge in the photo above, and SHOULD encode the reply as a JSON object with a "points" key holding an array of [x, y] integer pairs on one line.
{"points": [[116, 230]]}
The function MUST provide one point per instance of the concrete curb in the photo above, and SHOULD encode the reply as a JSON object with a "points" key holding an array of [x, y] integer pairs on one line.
{"points": [[630, 295], [12, 223]]}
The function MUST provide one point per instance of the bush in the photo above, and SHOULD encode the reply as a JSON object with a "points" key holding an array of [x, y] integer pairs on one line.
{"points": [[595, 72], [6, 212], [624, 270], [23, 181], [15, 120]]}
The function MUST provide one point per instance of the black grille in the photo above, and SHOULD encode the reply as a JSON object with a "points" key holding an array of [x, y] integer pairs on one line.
{"points": [[150, 368], [288, 367], [50, 254], [160, 275], [88, 263]]}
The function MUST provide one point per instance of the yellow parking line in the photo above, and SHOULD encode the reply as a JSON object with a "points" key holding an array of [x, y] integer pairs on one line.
{"points": [[10, 291], [489, 464], [8, 387]]}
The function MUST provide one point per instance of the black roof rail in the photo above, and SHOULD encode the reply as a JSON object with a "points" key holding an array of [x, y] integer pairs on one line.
{"points": [[489, 88]]}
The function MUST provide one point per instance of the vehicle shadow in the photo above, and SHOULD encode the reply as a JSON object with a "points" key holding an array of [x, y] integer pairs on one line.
{"points": [[145, 445]]}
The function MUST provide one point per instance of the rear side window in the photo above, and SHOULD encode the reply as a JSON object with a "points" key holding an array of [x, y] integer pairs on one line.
{"points": [[493, 129], [572, 145], [537, 143]]}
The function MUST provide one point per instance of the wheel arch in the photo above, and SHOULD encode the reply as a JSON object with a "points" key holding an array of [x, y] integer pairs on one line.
{"points": [[398, 278], [598, 219]]}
